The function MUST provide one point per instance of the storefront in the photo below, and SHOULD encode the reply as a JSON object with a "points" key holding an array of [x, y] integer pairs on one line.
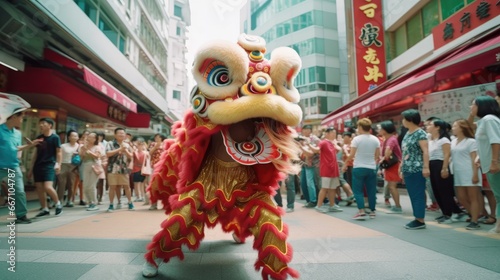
{"points": [[470, 70], [72, 90], [70, 94]]}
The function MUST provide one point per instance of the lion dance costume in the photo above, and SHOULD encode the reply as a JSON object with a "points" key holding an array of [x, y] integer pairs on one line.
{"points": [[229, 153]]}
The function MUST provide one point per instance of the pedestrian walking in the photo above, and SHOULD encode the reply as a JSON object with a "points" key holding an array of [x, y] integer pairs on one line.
{"points": [[119, 156], [91, 153], [46, 164], [466, 174], [414, 167], [328, 170], [67, 177], [488, 142], [441, 180], [10, 145], [365, 150], [391, 151]]}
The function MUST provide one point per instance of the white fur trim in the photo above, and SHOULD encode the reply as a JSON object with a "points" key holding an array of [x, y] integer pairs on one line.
{"points": [[284, 59], [252, 42], [255, 106], [233, 57]]}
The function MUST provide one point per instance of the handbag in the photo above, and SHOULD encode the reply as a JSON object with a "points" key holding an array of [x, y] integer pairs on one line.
{"points": [[76, 160], [385, 164], [146, 167], [97, 169]]}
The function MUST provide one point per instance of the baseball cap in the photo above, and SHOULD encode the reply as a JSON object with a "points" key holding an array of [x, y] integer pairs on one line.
{"points": [[307, 126], [18, 110]]}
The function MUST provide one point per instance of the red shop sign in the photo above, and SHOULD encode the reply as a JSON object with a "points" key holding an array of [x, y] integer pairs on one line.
{"points": [[465, 20], [369, 43]]}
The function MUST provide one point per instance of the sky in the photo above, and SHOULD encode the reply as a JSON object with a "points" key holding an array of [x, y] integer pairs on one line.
{"points": [[211, 20]]}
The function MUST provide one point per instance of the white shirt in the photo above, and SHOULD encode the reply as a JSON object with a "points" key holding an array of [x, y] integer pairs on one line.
{"points": [[462, 163], [366, 145], [487, 133], [68, 151], [436, 148], [460, 154]]}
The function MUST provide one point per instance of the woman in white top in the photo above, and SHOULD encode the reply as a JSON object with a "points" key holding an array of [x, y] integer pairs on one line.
{"points": [[91, 153], [365, 149], [465, 172], [67, 176], [488, 141], [441, 180]]}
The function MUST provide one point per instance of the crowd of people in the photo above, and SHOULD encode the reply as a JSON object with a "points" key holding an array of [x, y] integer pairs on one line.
{"points": [[83, 167], [454, 165]]}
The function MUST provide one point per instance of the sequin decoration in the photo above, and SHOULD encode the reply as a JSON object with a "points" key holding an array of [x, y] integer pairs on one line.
{"points": [[259, 150]]}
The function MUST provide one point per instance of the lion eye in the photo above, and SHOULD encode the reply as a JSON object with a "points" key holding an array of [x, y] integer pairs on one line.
{"points": [[217, 74]]}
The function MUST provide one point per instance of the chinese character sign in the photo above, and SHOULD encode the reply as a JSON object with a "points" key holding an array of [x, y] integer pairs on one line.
{"points": [[369, 43], [465, 20], [453, 104]]}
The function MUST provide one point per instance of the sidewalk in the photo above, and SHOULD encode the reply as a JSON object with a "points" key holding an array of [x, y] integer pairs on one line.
{"points": [[99, 245]]}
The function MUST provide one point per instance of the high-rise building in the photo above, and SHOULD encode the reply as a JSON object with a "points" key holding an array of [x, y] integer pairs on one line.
{"points": [[312, 29], [178, 88]]}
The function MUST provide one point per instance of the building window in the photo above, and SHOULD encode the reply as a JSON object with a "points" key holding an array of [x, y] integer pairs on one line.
{"points": [[414, 27], [154, 11], [176, 94], [178, 31], [103, 22], [314, 105], [323, 105], [152, 74], [89, 8], [153, 43], [430, 17], [400, 40], [449, 7], [421, 24], [121, 43], [297, 23], [263, 11], [178, 11]]}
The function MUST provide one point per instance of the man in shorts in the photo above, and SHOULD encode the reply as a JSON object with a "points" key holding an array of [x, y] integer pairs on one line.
{"points": [[46, 164], [328, 170], [119, 155]]}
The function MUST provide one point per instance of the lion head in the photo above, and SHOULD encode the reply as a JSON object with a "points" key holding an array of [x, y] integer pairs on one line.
{"points": [[235, 82]]}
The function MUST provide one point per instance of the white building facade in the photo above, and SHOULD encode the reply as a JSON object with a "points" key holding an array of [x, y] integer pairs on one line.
{"points": [[119, 56], [178, 86]]}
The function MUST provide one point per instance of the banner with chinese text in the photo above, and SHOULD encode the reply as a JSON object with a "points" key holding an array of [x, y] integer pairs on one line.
{"points": [[451, 105], [465, 20], [369, 44]]}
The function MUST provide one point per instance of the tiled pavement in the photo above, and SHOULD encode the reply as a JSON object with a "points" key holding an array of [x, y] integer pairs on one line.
{"points": [[99, 245]]}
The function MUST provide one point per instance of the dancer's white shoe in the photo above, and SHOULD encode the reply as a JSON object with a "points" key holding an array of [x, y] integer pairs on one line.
{"points": [[237, 239], [149, 270]]}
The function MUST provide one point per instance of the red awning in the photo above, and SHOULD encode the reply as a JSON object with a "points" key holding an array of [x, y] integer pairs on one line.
{"points": [[473, 58], [421, 81], [107, 89], [465, 59], [91, 78], [52, 82]]}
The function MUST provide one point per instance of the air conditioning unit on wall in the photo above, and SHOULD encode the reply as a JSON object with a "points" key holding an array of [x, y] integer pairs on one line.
{"points": [[157, 128], [9, 25]]}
